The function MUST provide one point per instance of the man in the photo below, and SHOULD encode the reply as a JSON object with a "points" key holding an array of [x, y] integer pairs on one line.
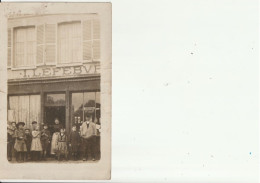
{"points": [[88, 134]]}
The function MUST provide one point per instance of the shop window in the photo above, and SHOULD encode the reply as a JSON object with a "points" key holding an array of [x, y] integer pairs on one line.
{"points": [[24, 47], [83, 104], [25, 108]]}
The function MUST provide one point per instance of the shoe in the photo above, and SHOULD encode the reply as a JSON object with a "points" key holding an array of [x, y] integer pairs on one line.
{"points": [[84, 159], [93, 159]]}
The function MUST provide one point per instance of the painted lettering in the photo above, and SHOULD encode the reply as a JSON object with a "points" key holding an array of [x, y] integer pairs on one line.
{"points": [[77, 70], [46, 72], [34, 75], [87, 69], [66, 70], [97, 68], [55, 71]]}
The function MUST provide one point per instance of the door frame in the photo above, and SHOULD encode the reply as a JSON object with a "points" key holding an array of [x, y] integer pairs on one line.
{"points": [[44, 97]]}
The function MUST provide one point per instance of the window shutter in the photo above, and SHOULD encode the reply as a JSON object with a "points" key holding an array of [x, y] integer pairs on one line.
{"points": [[96, 40], [87, 40], [96, 29], [50, 44], [40, 44], [9, 50]]}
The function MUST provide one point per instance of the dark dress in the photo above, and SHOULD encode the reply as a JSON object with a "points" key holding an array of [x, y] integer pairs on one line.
{"points": [[45, 138], [74, 140], [62, 144]]}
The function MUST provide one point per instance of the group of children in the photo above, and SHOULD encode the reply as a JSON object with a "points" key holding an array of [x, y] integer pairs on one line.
{"points": [[34, 144]]}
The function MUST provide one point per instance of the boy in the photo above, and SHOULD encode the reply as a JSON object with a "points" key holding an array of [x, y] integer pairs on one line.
{"points": [[45, 140], [74, 140], [28, 142]]}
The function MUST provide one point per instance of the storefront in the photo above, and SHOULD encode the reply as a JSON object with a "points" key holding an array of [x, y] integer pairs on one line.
{"points": [[43, 100], [54, 69]]}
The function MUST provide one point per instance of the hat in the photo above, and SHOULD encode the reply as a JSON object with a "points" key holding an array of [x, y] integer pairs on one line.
{"points": [[20, 123], [45, 124], [34, 122]]}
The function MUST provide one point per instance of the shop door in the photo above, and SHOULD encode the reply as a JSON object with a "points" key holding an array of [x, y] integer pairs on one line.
{"points": [[55, 108], [52, 112]]}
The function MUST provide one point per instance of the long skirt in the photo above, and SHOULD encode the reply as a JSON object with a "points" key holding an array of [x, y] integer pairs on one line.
{"points": [[20, 146], [36, 144], [62, 148], [54, 143]]}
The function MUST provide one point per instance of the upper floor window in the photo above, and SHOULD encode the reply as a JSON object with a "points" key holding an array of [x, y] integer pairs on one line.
{"points": [[60, 43], [69, 42], [24, 47]]}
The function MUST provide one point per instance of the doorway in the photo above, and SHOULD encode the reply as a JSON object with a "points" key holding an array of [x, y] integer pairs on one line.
{"points": [[52, 112], [55, 108]]}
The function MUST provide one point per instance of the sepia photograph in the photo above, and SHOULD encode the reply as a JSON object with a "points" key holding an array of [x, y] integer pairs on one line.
{"points": [[54, 87]]}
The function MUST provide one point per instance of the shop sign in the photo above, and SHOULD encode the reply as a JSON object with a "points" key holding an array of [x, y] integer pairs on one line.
{"points": [[53, 71]]}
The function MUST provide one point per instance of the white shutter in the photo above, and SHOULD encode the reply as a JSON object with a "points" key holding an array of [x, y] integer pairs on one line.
{"points": [[96, 40], [87, 40], [50, 44], [9, 48], [40, 45], [96, 29]]}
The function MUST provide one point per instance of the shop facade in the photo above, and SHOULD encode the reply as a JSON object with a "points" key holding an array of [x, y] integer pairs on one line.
{"points": [[54, 69]]}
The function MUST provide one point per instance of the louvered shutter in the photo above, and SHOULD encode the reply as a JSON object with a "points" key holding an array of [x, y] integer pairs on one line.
{"points": [[50, 44], [87, 40], [96, 40], [40, 45], [9, 48]]}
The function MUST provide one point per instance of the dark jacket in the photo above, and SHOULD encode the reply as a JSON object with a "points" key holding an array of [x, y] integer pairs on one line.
{"points": [[45, 135]]}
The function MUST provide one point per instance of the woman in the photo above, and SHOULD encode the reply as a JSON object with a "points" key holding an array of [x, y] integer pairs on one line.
{"points": [[56, 130], [20, 146]]}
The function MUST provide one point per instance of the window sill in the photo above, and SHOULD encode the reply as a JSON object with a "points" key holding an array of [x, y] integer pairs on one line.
{"points": [[22, 68], [69, 64]]}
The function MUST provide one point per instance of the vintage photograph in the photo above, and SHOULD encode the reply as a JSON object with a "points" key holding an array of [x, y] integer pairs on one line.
{"points": [[54, 88]]}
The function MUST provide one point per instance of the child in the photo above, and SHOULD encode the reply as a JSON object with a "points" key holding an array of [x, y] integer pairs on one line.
{"points": [[74, 140], [45, 140], [36, 146], [62, 145], [10, 141], [20, 146], [28, 143]]}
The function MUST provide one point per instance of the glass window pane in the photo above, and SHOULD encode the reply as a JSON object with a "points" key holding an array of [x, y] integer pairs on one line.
{"points": [[89, 104], [55, 99], [77, 108]]}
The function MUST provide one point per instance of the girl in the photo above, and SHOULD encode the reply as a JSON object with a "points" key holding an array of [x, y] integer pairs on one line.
{"points": [[20, 145], [62, 145], [36, 146]]}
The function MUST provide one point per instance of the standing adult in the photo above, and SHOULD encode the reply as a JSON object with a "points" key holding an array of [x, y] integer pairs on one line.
{"points": [[10, 139], [88, 134], [55, 130]]}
